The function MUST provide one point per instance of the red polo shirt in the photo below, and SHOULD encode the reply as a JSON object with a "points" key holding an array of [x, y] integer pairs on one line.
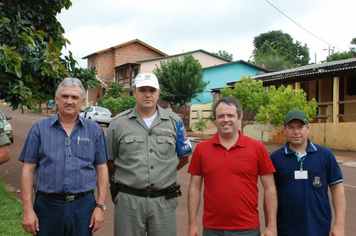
{"points": [[230, 181]]}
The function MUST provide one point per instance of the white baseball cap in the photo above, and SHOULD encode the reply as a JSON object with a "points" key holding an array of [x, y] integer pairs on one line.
{"points": [[146, 79]]}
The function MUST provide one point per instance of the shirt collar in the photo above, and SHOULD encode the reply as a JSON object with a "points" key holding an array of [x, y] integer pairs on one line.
{"points": [[55, 119], [241, 141], [310, 148], [160, 114]]}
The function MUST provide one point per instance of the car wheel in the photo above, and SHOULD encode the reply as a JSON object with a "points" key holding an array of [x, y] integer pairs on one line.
{"points": [[89, 118], [12, 140]]}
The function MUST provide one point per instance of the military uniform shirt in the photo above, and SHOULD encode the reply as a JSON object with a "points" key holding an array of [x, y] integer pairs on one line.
{"points": [[147, 157]]}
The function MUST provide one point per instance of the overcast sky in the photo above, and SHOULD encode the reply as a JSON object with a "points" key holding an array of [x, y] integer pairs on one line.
{"points": [[173, 26]]}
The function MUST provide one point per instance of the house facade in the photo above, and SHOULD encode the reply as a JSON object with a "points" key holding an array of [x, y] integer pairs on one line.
{"points": [[331, 84], [219, 75], [105, 62], [126, 73]]}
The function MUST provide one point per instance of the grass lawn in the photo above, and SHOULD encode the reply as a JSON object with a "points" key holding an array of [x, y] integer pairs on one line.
{"points": [[10, 214]]}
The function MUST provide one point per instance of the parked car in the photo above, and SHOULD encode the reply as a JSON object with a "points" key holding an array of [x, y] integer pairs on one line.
{"points": [[7, 126], [100, 115]]}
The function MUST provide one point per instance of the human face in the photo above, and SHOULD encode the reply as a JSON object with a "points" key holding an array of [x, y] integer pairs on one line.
{"points": [[227, 121], [69, 100], [146, 98], [296, 133]]}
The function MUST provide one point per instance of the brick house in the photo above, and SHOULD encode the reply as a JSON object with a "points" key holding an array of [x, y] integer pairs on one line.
{"points": [[106, 60]]}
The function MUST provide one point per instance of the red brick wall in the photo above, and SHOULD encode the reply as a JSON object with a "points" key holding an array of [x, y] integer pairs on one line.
{"points": [[105, 62]]}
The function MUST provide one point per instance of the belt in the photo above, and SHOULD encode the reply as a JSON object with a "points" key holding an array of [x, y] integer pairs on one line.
{"points": [[142, 192], [64, 197]]}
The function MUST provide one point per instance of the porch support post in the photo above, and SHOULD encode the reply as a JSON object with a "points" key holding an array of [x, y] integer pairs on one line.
{"points": [[297, 86], [336, 96]]}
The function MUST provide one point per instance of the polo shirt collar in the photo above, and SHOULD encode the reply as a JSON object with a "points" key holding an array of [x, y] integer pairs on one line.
{"points": [[310, 148], [241, 141]]}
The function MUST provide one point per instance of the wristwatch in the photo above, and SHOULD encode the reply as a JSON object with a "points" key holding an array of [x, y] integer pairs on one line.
{"points": [[102, 207]]}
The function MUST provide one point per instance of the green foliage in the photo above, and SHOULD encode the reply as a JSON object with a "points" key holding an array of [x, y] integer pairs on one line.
{"points": [[116, 100], [86, 75], [281, 101], [117, 106], [10, 214], [180, 80], [251, 95], [273, 62], [200, 125], [340, 56], [115, 91], [224, 54], [277, 43], [31, 43]]}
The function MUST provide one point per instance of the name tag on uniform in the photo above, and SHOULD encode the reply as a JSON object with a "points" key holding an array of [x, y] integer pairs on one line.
{"points": [[301, 174]]}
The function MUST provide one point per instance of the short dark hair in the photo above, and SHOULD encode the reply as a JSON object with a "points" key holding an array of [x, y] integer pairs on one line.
{"points": [[229, 101]]}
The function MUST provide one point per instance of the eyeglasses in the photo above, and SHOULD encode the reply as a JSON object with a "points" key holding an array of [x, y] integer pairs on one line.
{"points": [[67, 149]]}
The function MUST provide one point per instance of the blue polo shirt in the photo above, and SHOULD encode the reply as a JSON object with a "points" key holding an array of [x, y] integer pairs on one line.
{"points": [[65, 164], [303, 204]]}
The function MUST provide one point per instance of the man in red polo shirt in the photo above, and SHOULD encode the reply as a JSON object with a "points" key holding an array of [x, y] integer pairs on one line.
{"points": [[230, 164]]}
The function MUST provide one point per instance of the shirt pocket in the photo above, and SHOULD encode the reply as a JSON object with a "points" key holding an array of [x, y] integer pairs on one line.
{"points": [[84, 150], [132, 145], [317, 180], [166, 147]]}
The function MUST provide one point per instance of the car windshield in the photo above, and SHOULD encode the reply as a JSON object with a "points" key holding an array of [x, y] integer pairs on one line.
{"points": [[2, 117], [101, 109]]}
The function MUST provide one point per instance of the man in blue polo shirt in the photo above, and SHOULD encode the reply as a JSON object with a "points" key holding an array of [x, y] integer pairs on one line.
{"points": [[65, 158], [304, 171]]}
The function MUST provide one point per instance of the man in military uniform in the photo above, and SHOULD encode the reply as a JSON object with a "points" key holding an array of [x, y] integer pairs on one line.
{"points": [[4, 143], [147, 145]]}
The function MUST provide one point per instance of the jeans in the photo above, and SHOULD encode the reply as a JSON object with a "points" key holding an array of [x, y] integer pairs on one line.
{"points": [[243, 232], [62, 218]]}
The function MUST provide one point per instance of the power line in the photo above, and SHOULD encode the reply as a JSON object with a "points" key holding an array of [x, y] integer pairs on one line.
{"points": [[303, 27]]}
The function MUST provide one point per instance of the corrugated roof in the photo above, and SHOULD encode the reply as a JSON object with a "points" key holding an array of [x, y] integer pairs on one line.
{"points": [[308, 70]]}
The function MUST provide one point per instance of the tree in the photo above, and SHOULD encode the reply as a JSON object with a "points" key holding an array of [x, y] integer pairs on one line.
{"points": [[224, 54], [274, 62], [180, 80], [116, 100], [278, 43], [251, 95], [343, 55], [282, 100], [340, 56], [200, 125], [31, 42]]}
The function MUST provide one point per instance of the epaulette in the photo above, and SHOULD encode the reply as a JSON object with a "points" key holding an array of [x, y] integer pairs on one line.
{"points": [[173, 115], [124, 113]]}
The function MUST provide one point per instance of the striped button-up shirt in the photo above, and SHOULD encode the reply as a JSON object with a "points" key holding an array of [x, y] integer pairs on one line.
{"points": [[65, 164]]}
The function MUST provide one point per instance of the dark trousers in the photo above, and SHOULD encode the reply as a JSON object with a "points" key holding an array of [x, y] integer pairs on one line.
{"points": [[244, 232], [62, 218]]}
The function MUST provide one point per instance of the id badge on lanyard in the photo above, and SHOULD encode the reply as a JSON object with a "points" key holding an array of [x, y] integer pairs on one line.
{"points": [[300, 174]]}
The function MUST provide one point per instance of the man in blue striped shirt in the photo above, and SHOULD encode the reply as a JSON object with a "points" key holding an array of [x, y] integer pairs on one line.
{"points": [[66, 155]]}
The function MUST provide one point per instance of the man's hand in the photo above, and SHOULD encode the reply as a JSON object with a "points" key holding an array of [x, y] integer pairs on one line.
{"points": [[269, 231], [97, 219], [337, 230], [30, 222], [193, 230]]}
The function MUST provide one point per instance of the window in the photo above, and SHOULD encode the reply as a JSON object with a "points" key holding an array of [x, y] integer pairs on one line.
{"points": [[351, 85]]}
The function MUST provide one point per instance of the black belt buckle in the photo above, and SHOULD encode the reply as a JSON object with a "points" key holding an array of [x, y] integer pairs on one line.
{"points": [[148, 192], [70, 198]]}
